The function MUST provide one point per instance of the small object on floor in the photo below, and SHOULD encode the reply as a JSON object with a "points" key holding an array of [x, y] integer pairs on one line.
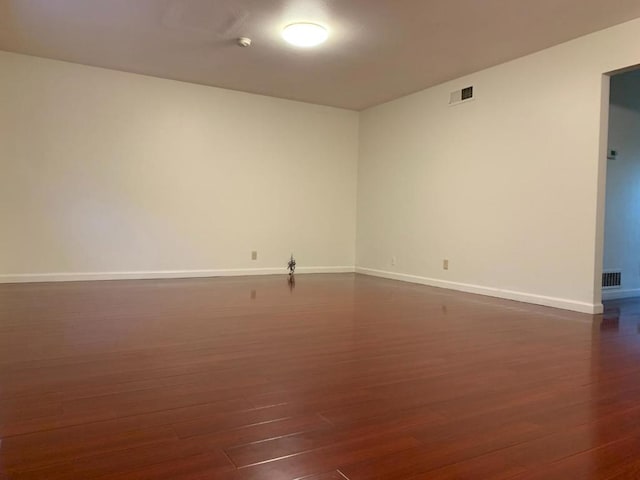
{"points": [[291, 265]]}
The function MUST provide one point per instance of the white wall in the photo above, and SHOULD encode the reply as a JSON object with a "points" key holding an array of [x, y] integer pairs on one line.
{"points": [[507, 187], [622, 219], [103, 172]]}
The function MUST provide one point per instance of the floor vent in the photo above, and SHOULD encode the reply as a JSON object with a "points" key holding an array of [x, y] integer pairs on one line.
{"points": [[611, 279]]}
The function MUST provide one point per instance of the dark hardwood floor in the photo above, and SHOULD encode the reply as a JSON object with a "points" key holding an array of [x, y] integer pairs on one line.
{"points": [[341, 377]]}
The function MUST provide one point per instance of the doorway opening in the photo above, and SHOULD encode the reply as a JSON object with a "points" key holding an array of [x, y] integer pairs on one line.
{"points": [[621, 244]]}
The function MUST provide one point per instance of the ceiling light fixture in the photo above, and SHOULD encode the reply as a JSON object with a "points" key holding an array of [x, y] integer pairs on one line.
{"points": [[305, 34]]}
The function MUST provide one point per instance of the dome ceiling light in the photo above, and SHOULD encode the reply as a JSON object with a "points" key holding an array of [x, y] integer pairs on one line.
{"points": [[305, 34]]}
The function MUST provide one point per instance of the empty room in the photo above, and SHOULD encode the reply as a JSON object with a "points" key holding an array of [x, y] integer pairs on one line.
{"points": [[319, 239]]}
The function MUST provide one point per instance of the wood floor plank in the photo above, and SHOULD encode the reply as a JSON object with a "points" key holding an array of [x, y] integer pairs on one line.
{"points": [[102, 418], [207, 465], [335, 475], [540, 452], [36, 450], [119, 462], [445, 448], [122, 461], [240, 418], [316, 461], [345, 377], [629, 472], [286, 446], [608, 461]]}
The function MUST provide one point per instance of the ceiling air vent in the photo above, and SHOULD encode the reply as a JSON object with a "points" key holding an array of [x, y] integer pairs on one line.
{"points": [[460, 96], [612, 279]]}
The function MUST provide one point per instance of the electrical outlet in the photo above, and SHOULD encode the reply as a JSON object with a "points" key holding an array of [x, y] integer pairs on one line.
{"points": [[445, 264], [254, 255], [393, 261]]}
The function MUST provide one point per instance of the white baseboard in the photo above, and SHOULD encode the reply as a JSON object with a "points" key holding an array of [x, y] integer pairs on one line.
{"points": [[618, 294], [562, 303], [148, 275]]}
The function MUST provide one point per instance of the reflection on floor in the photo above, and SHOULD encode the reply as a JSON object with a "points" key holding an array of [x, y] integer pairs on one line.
{"points": [[623, 313], [341, 377]]}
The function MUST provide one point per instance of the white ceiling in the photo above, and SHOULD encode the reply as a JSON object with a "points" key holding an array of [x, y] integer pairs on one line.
{"points": [[378, 50]]}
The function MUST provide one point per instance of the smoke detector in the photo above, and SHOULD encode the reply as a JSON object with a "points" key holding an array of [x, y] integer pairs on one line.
{"points": [[244, 42]]}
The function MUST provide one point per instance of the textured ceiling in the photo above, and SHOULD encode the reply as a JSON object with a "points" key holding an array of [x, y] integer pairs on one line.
{"points": [[378, 50]]}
